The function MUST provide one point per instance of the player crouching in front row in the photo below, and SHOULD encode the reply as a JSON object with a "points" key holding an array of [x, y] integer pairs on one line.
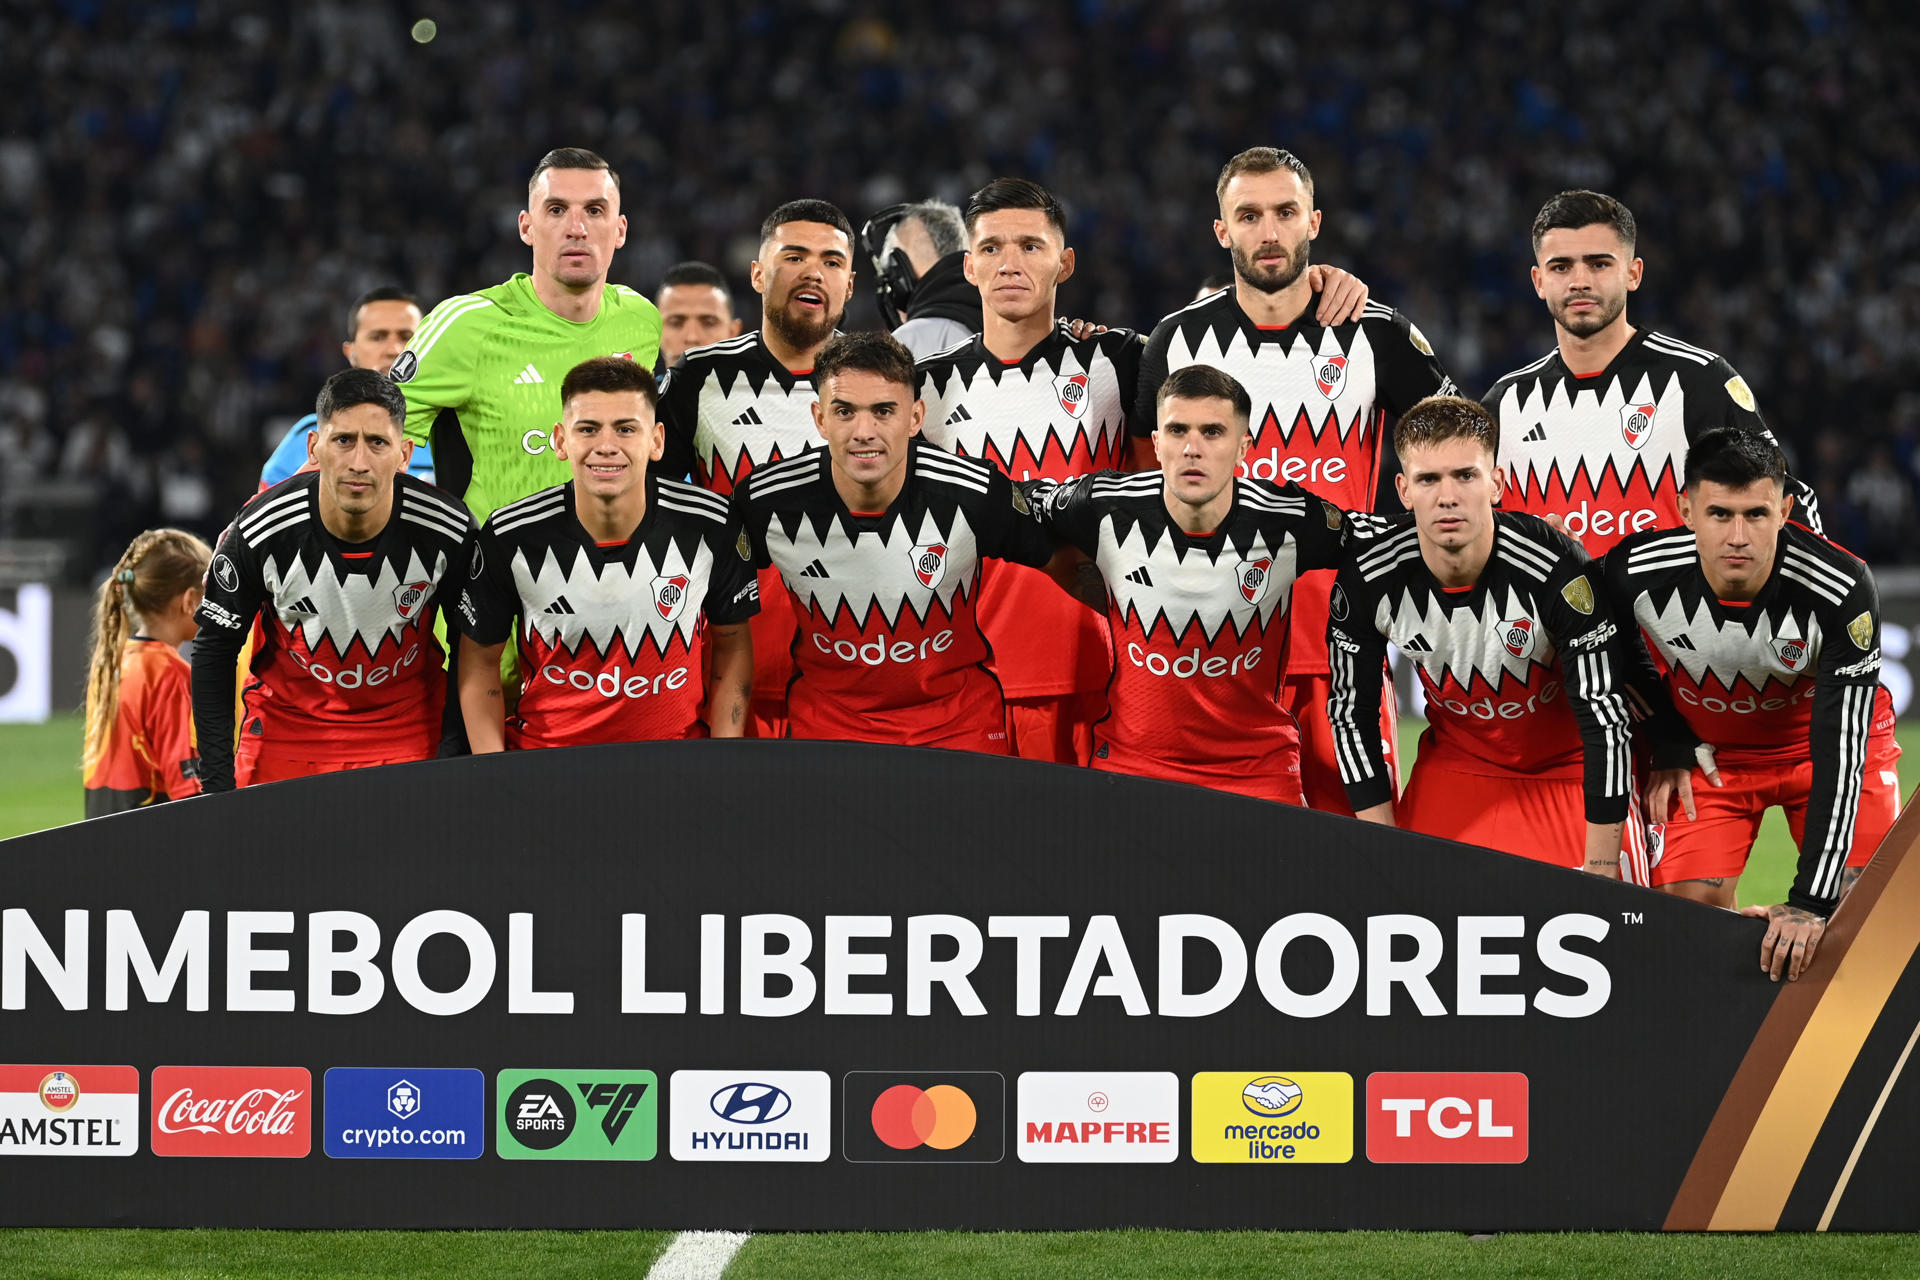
{"points": [[613, 577], [1528, 725], [1767, 637]]}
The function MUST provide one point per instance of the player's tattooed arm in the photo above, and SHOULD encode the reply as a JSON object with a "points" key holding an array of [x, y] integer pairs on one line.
{"points": [[1793, 935], [730, 685], [1079, 577], [1343, 295], [482, 705], [1603, 849]]}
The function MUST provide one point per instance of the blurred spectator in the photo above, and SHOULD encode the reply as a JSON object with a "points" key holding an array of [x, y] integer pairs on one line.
{"points": [[190, 189]]}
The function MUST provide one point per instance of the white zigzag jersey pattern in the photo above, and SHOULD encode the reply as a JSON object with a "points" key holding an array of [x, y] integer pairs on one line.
{"points": [[1518, 669], [1607, 453], [1059, 412], [888, 647], [731, 407], [609, 637], [1792, 674], [1198, 622]]}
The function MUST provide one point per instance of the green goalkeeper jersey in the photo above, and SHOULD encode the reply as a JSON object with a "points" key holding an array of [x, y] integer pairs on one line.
{"points": [[482, 380]]}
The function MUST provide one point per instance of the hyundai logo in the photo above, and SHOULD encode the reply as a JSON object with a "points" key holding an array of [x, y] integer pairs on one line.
{"points": [[750, 1103]]}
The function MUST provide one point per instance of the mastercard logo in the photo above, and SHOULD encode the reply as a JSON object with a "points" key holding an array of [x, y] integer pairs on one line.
{"points": [[907, 1116]]}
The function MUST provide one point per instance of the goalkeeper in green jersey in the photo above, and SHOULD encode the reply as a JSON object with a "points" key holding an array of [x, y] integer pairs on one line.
{"points": [[482, 377]]}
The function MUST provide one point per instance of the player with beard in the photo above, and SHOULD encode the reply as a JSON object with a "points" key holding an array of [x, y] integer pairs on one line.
{"points": [[344, 568], [740, 404], [1199, 569], [1767, 641], [1499, 616], [878, 540], [1595, 432], [1321, 393]]}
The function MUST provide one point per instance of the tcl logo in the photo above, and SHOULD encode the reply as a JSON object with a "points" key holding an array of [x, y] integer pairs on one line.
{"points": [[232, 1111], [1447, 1117]]}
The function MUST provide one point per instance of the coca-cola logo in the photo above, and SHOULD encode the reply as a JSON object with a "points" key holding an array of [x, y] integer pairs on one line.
{"points": [[232, 1111]]}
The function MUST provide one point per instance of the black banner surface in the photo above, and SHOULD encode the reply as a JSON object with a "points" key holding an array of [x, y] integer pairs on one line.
{"points": [[787, 985]]}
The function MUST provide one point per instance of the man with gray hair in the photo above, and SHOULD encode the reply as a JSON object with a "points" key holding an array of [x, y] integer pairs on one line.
{"points": [[918, 252]]}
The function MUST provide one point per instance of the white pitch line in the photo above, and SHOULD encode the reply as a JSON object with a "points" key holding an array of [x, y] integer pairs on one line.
{"points": [[697, 1255]]}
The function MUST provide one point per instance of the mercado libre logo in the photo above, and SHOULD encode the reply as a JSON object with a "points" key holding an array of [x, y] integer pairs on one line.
{"points": [[924, 1117], [1268, 1117], [577, 1114]]}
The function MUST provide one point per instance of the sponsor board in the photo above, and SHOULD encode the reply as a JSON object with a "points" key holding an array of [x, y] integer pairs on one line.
{"points": [[1097, 1117], [576, 1114], [69, 1111], [750, 1115], [924, 1117], [1273, 1117], [1447, 1117], [405, 1113], [232, 1111]]}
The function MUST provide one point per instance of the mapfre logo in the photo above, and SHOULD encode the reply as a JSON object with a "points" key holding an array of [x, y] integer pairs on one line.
{"points": [[232, 1111], [1447, 1117]]}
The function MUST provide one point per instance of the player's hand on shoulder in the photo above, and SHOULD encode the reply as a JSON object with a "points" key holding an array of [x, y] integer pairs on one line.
{"points": [[1079, 329], [1343, 295], [1793, 935]]}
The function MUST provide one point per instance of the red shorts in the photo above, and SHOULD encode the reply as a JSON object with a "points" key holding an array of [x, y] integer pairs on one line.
{"points": [[766, 718], [1305, 698], [1059, 728], [1715, 844], [254, 770], [1275, 777], [1540, 818]]}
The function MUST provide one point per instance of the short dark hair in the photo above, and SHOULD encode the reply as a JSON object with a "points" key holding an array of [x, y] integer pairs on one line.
{"points": [[1016, 193], [1261, 160], [865, 352], [385, 293], [609, 373], [1437, 419], [807, 211], [1571, 209], [1204, 382], [570, 158], [1736, 458], [351, 387], [681, 273]]}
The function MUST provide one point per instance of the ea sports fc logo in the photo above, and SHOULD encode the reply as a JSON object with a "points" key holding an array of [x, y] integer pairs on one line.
{"points": [[1272, 1096], [907, 1116]]}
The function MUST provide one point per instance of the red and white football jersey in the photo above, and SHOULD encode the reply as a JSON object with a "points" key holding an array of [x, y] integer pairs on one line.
{"points": [[888, 647], [609, 635], [1321, 398], [1199, 624], [1058, 412]]}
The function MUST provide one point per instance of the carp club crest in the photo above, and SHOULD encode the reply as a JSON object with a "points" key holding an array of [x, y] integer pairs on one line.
{"points": [[1791, 652], [1518, 637], [929, 560], [1253, 577], [1330, 375], [1071, 389], [408, 598], [670, 595], [1636, 422]]}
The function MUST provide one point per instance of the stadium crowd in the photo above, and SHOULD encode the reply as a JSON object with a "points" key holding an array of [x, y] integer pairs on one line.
{"points": [[193, 190]]}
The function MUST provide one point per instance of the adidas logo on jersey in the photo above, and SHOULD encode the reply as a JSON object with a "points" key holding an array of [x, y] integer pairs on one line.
{"points": [[302, 608], [751, 418], [815, 570], [1681, 642], [1141, 577], [1418, 645], [528, 376], [560, 607], [959, 414], [1539, 432]]}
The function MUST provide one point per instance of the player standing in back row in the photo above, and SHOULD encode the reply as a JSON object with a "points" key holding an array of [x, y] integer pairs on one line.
{"points": [[1596, 431], [1321, 395]]}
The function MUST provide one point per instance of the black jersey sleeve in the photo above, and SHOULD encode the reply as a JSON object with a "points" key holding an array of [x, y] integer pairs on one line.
{"points": [[1734, 406], [234, 594], [733, 593], [1010, 531], [1846, 683], [489, 601], [749, 546], [1580, 618], [1669, 738], [1324, 533], [1356, 664], [1408, 370], [1153, 372], [1068, 511], [679, 414], [1127, 357]]}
